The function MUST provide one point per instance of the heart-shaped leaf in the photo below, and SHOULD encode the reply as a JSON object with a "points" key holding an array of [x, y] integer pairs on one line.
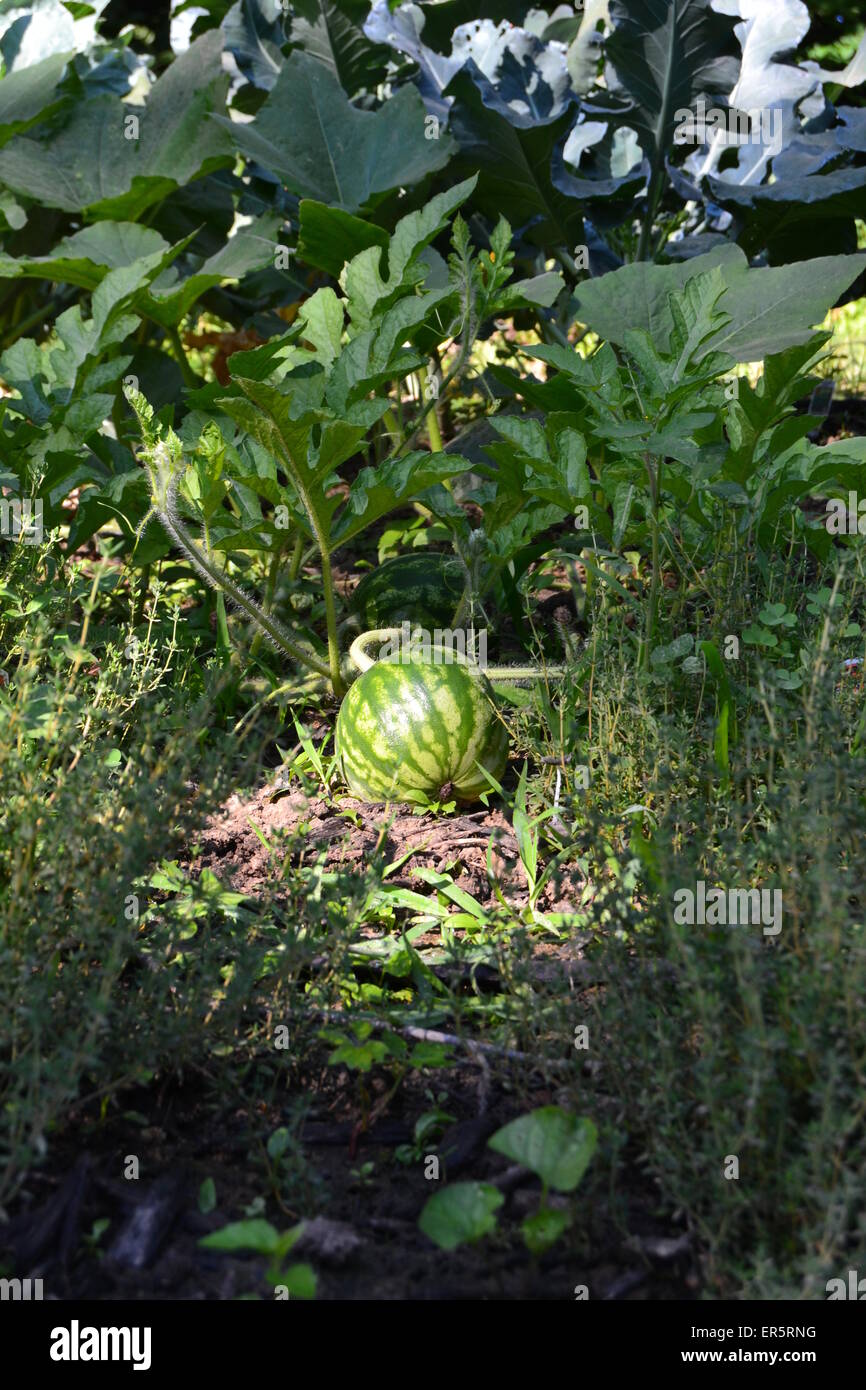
{"points": [[555, 1145], [460, 1214]]}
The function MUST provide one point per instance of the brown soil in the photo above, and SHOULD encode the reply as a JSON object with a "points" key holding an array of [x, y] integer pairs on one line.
{"points": [[350, 833]]}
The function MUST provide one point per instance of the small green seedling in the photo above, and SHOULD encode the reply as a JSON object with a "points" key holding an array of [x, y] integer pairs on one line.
{"points": [[556, 1146], [258, 1235]]}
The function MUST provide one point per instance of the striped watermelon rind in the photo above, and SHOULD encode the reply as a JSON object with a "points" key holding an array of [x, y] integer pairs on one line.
{"points": [[410, 730], [422, 588]]}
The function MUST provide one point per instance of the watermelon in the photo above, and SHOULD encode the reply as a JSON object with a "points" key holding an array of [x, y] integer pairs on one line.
{"points": [[408, 730], [422, 588]]}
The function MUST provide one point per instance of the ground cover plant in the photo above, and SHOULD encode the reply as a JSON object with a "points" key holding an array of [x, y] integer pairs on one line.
{"points": [[433, 483]]}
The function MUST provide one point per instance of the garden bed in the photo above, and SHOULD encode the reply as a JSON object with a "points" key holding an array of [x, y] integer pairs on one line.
{"points": [[432, 622]]}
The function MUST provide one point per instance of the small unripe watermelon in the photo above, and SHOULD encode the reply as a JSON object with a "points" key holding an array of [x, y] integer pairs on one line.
{"points": [[418, 729], [422, 588]]}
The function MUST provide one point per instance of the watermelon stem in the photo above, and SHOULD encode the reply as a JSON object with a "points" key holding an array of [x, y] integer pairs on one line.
{"points": [[270, 591], [297, 556], [360, 658], [429, 395], [166, 509], [330, 611], [524, 673]]}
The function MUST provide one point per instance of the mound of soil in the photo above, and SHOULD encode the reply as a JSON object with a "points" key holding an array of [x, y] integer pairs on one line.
{"points": [[350, 834]]}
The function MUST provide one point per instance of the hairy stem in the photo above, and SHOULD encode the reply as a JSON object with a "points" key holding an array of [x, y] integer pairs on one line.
{"points": [[220, 579], [320, 535]]}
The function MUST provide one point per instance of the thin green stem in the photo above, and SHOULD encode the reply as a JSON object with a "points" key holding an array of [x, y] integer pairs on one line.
{"points": [[389, 420], [567, 261], [429, 393], [552, 331], [320, 535], [425, 411], [652, 608], [224, 640], [224, 644], [31, 321], [466, 342], [189, 377], [398, 396], [297, 557], [270, 590], [331, 623]]}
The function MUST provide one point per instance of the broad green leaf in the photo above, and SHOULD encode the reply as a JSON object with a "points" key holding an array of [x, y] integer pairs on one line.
{"points": [[681, 646], [337, 153], [322, 317], [283, 424], [797, 212], [776, 614], [750, 419], [539, 290], [770, 308], [757, 636], [90, 163], [251, 248], [527, 435], [27, 93], [85, 337], [12, 211], [360, 1056], [327, 33], [81, 259], [329, 237], [254, 36], [514, 167], [698, 319], [426, 1055], [555, 1145], [460, 1213], [661, 56], [26, 366], [529, 466]]}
